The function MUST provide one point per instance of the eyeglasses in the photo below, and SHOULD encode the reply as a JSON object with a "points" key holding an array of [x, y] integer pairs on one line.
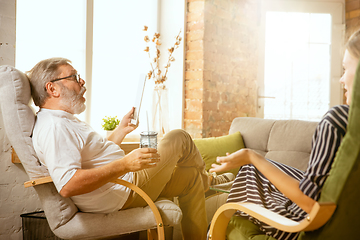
{"points": [[74, 76]]}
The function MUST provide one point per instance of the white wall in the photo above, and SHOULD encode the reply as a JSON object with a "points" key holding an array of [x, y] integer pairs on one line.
{"points": [[14, 198], [172, 19]]}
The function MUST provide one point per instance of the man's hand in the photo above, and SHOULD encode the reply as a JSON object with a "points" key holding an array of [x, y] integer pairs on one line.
{"points": [[141, 158], [87, 180], [125, 125]]}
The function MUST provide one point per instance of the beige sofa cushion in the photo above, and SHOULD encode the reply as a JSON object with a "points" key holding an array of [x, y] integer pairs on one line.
{"points": [[290, 142], [285, 141], [255, 132]]}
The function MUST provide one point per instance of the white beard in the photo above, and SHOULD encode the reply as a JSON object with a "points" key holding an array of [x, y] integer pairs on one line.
{"points": [[72, 101]]}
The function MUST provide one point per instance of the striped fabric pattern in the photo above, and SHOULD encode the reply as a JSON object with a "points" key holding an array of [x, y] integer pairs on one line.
{"points": [[250, 185]]}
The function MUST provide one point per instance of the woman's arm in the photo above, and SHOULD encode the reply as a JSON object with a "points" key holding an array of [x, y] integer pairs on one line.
{"points": [[283, 182], [286, 184]]}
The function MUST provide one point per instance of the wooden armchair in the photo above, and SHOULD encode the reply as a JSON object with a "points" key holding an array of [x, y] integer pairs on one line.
{"points": [[334, 216], [64, 219]]}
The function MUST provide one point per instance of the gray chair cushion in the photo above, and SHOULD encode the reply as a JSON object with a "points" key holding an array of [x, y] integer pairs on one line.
{"points": [[19, 120], [94, 226]]}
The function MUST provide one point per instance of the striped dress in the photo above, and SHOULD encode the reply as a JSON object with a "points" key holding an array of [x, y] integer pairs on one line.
{"points": [[250, 185]]}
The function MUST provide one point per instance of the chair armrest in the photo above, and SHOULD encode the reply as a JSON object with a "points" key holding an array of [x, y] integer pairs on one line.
{"points": [[158, 219], [319, 215], [38, 181]]}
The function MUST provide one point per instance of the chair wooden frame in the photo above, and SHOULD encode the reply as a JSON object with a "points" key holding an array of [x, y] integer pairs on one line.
{"points": [[319, 215], [152, 234]]}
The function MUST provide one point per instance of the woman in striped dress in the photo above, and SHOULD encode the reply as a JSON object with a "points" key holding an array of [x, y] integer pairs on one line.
{"points": [[283, 189]]}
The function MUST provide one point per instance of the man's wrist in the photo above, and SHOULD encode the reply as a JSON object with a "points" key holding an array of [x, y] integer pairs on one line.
{"points": [[123, 164]]}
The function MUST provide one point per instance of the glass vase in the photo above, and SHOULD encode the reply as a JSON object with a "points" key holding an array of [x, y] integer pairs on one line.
{"points": [[160, 110]]}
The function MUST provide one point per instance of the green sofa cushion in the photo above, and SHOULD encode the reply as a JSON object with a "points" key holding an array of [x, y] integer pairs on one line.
{"points": [[240, 228], [210, 148]]}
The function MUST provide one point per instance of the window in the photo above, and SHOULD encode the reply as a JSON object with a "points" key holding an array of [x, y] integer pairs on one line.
{"points": [[297, 65], [42, 32], [119, 59], [302, 61], [104, 41]]}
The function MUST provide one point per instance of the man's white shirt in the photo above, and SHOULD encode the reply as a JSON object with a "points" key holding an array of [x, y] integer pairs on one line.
{"points": [[64, 144]]}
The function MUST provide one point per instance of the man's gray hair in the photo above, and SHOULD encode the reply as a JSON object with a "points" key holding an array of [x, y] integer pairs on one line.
{"points": [[42, 73]]}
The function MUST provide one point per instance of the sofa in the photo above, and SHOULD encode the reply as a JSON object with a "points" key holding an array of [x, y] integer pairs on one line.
{"points": [[285, 141]]}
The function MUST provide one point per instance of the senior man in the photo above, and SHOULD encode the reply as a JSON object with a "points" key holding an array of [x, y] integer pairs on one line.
{"points": [[82, 163]]}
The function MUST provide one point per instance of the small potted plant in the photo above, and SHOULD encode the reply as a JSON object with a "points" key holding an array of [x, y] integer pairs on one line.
{"points": [[109, 124]]}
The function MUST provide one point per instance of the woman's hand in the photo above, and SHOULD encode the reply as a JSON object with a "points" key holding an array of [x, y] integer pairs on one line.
{"points": [[231, 161], [286, 184]]}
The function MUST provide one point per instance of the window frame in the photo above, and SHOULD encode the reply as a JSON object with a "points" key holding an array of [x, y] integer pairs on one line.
{"points": [[170, 16]]}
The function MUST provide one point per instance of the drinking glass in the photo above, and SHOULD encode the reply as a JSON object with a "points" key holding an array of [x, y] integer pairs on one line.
{"points": [[148, 139]]}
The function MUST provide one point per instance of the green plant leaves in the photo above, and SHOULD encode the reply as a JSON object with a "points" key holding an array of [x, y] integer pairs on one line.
{"points": [[110, 123]]}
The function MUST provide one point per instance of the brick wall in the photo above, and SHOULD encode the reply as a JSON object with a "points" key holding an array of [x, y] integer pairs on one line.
{"points": [[221, 64], [352, 8]]}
